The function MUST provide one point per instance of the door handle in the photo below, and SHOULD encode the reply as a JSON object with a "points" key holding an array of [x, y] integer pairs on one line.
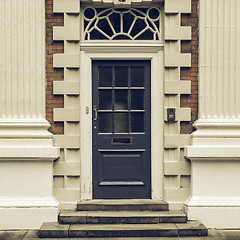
{"points": [[95, 114]]}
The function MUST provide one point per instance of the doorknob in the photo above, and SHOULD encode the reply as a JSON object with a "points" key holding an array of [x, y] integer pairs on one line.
{"points": [[95, 113]]}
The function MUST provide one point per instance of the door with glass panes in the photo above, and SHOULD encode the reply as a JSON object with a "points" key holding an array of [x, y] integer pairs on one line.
{"points": [[121, 129]]}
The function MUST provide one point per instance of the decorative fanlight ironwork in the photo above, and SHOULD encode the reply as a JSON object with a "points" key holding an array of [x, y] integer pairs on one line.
{"points": [[121, 23]]}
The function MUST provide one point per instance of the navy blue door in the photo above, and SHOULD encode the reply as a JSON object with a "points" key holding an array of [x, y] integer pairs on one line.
{"points": [[121, 129]]}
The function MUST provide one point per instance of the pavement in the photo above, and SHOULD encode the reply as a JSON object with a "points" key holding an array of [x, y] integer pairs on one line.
{"points": [[32, 235]]}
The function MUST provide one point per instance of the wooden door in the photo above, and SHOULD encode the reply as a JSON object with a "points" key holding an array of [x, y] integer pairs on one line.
{"points": [[121, 129]]}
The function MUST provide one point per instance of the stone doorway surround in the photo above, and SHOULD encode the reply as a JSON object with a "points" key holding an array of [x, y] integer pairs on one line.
{"points": [[68, 173]]}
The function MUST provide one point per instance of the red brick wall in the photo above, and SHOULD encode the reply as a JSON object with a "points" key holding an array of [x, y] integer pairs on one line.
{"points": [[191, 73], [52, 74]]}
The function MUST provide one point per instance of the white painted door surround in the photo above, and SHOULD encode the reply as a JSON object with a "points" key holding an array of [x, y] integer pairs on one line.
{"points": [[122, 51], [27, 151], [215, 150]]}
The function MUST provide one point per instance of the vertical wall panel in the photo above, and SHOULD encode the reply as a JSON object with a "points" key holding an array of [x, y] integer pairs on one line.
{"points": [[219, 59], [22, 59]]}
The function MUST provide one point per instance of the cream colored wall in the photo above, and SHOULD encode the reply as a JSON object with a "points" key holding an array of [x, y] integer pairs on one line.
{"points": [[67, 168]]}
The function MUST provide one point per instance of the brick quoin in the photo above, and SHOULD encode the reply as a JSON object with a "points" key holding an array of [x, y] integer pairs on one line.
{"points": [[191, 101], [53, 74]]}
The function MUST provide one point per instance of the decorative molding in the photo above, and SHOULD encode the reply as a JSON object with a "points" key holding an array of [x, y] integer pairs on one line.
{"points": [[217, 132], [25, 128], [116, 46]]}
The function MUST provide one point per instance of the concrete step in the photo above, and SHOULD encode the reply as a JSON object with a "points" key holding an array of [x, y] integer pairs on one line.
{"points": [[123, 205], [51, 230], [121, 217]]}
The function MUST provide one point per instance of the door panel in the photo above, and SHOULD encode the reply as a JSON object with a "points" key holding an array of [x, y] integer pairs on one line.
{"points": [[121, 129]]}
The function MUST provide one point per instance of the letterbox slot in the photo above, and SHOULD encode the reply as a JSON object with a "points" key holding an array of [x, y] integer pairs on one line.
{"points": [[121, 141]]}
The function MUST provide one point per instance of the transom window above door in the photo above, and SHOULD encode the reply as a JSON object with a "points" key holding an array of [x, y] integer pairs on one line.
{"points": [[122, 23]]}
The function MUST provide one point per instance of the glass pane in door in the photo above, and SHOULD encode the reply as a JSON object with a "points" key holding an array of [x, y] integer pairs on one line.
{"points": [[105, 122], [121, 76], [105, 99], [105, 76], [137, 76], [137, 99], [137, 122], [121, 99], [121, 122]]}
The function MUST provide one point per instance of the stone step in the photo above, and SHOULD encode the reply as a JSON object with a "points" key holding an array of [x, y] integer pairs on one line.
{"points": [[51, 230], [121, 217], [123, 205]]}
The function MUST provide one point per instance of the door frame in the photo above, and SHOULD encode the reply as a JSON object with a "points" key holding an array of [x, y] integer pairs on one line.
{"points": [[121, 51]]}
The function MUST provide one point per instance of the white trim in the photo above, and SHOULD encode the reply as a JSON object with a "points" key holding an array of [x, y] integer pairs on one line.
{"points": [[89, 53], [211, 153], [29, 153], [117, 46], [207, 201], [23, 202]]}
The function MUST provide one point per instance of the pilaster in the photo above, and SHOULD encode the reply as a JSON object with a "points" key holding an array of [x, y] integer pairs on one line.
{"points": [[27, 149], [215, 144]]}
